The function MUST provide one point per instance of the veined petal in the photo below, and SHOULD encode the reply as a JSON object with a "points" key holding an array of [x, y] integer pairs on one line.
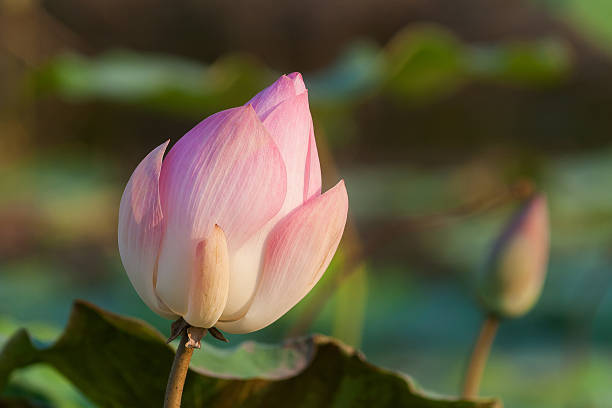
{"points": [[140, 231], [297, 252], [226, 171], [210, 281], [289, 125], [312, 175]]}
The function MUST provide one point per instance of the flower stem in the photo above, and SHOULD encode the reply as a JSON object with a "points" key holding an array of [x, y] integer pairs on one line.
{"points": [[478, 360], [178, 373]]}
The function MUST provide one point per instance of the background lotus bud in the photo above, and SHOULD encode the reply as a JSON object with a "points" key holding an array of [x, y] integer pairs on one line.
{"points": [[230, 229], [516, 271]]}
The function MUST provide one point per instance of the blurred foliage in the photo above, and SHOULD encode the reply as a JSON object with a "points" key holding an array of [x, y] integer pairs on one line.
{"points": [[420, 64], [590, 16], [542, 63], [351, 298], [119, 362], [167, 83], [358, 71], [425, 63]]}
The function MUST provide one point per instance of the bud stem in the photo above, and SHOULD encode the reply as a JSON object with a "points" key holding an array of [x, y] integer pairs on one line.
{"points": [[178, 373], [478, 360]]}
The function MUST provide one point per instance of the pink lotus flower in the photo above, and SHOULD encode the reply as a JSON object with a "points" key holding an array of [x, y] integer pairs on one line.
{"points": [[231, 229], [512, 283]]}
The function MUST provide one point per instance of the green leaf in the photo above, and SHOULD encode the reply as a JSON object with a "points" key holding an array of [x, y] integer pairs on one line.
{"points": [[119, 362], [38, 385]]}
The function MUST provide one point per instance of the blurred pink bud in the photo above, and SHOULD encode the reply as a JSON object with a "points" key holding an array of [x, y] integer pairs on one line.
{"points": [[512, 283], [230, 229]]}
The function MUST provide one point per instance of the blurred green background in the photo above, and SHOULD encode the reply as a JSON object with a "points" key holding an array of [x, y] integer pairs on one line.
{"points": [[438, 114]]}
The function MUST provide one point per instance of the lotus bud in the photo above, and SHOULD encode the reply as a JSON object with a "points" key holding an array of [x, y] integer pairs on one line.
{"points": [[516, 271], [230, 229]]}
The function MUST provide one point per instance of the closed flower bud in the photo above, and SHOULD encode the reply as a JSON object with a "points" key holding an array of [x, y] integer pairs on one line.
{"points": [[512, 282], [230, 229]]}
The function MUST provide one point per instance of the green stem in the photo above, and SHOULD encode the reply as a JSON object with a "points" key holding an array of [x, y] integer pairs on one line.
{"points": [[478, 360], [178, 373]]}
